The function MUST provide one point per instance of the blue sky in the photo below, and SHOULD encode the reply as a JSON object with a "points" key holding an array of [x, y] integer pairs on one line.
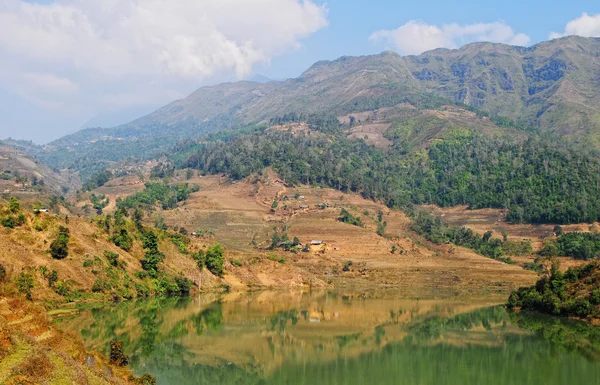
{"points": [[65, 64]]}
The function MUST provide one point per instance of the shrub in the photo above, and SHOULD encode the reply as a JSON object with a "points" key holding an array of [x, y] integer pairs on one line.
{"points": [[215, 258], [13, 205], [346, 217], [236, 263], [275, 258], [123, 240], [98, 286], [184, 284], [140, 274], [25, 284], [117, 356], [200, 258], [62, 289], [145, 379], [112, 258], [88, 263], [8, 222], [2, 273], [52, 278], [347, 266]]}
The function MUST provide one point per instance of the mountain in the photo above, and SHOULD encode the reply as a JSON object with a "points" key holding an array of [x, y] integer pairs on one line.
{"points": [[20, 172], [552, 87]]}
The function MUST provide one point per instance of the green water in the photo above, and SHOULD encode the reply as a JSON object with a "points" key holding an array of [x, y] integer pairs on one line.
{"points": [[330, 338]]}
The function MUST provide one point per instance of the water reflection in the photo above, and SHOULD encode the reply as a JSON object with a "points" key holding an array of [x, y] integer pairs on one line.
{"points": [[330, 338]]}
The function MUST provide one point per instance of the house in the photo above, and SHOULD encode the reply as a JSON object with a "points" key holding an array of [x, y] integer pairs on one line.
{"points": [[43, 210], [316, 243], [304, 207], [6, 192], [301, 197]]}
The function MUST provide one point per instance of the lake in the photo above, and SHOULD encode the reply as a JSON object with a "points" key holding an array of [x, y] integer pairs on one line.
{"points": [[342, 338]]}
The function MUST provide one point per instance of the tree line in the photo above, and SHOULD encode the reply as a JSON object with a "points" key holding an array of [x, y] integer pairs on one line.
{"points": [[533, 180]]}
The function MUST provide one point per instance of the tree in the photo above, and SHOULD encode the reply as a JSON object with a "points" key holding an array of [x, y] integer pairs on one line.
{"points": [[13, 205], [59, 248], [215, 258], [22, 180], [487, 236], [558, 230], [138, 216]]}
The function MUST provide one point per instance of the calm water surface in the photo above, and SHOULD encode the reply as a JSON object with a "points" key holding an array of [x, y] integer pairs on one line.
{"points": [[335, 338]]}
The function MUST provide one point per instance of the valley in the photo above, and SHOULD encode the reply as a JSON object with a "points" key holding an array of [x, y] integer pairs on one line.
{"points": [[372, 206]]}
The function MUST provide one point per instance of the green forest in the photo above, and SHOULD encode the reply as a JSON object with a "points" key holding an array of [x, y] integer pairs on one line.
{"points": [[533, 180]]}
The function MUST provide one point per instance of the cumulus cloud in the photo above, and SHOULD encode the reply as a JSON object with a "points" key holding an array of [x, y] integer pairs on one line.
{"points": [[416, 37], [585, 25], [87, 49]]}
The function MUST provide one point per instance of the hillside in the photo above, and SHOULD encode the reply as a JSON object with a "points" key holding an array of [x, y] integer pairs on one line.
{"points": [[575, 293], [26, 177], [553, 85]]}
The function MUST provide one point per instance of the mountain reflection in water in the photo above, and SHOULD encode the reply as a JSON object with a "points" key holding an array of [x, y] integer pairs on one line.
{"points": [[334, 338]]}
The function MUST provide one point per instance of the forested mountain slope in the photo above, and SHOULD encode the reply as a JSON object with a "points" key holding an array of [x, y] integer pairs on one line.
{"points": [[554, 84], [475, 126]]}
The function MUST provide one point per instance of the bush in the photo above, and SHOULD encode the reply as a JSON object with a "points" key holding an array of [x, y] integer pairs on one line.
{"points": [[215, 258], [2, 273], [347, 266], [112, 258], [145, 379], [140, 274], [8, 222], [184, 284], [98, 286], [13, 205], [200, 258], [275, 258], [150, 263], [25, 284], [346, 217], [117, 356], [52, 278], [59, 248], [123, 240], [63, 289], [236, 263]]}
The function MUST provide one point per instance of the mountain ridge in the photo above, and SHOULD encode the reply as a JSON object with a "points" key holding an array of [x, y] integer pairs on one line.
{"points": [[554, 86]]}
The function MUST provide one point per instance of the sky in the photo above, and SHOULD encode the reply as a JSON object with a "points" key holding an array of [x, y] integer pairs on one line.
{"points": [[70, 64]]}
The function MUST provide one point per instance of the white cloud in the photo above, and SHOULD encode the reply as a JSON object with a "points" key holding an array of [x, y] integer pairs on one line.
{"points": [[585, 25], [50, 83], [85, 50], [416, 37]]}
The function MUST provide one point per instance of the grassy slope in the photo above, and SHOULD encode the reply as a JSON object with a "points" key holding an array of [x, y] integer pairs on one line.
{"points": [[33, 349]]}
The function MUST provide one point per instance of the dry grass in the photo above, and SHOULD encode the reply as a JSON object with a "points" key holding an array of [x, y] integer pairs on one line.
{"points": [[32, 349]]}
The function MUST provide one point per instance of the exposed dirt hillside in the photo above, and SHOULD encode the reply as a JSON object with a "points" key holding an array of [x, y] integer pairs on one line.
{"points": [[241, 218], [27, 178]]}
